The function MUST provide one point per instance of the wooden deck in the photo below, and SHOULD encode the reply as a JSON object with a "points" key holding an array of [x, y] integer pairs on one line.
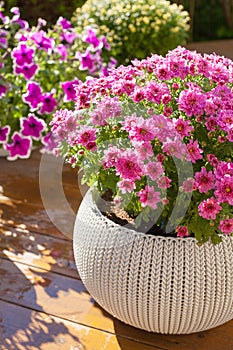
{"points": [[43, 303]]}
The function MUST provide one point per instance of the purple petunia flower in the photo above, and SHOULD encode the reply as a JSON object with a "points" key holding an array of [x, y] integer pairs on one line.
{"points": [[68, 36], [27, 70], [48, 103], [50, 143], [2, 90], [105, 43], [33, 95], [62, 50], [3, 38], [20, 148], [86, 60], [91, 38], [69, 90], [32, 126], [64, 23], [4, 133], [23, 55], [42, 41]]}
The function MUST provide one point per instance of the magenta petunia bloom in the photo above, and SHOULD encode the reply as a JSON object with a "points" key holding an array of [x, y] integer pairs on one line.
{"points": [[23, 55], [20, 148], [32, 126], [42, 41], [62, 50], [4, 133], [86, 60], [3, 38], [27, 70], [33, 95], [68, 36], [50, 143], [64, 23], [48, 103], [69, 89], [91, 38], [2, 90]]}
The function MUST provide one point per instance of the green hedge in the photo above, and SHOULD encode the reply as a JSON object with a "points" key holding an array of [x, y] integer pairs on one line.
{"points": [[212, 19]]}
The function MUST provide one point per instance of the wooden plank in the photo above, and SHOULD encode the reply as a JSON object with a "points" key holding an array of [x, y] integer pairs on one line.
{"points": [[20, 198], [67, 298], [49, 253], [22, 329]]}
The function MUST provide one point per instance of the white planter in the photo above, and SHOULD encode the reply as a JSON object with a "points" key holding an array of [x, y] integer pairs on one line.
{"points": [[163, 285]]}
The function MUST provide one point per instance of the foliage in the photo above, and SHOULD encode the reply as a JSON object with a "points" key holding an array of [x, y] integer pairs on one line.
{"points": [[38, 68], [135, 28], [211, 20], [158, 136]]}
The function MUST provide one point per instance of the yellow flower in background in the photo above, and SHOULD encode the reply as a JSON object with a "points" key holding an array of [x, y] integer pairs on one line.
{"points": [[136, 28]]}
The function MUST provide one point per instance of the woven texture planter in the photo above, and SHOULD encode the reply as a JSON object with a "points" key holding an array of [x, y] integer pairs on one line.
{"points": [[158, 284]]}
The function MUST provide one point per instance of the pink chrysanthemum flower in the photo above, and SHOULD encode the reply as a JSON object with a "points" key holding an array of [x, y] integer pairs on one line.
{"points": [[209, 208], [149, 197], [128, 166], [226, 226], [194, 151], [188, 185], [183, 127], [126, 185], [164, 182], [86, 135], [192, 101], [154, 170], [182, 231], [204, 180], [224, 190]]}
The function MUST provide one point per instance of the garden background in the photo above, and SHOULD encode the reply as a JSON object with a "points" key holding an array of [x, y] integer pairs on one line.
{"points": [[210, 20]]}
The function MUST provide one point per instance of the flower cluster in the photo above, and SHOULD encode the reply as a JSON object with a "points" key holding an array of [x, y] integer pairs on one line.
{"points": [[158, 136], [37, 72], [135, 28]]}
